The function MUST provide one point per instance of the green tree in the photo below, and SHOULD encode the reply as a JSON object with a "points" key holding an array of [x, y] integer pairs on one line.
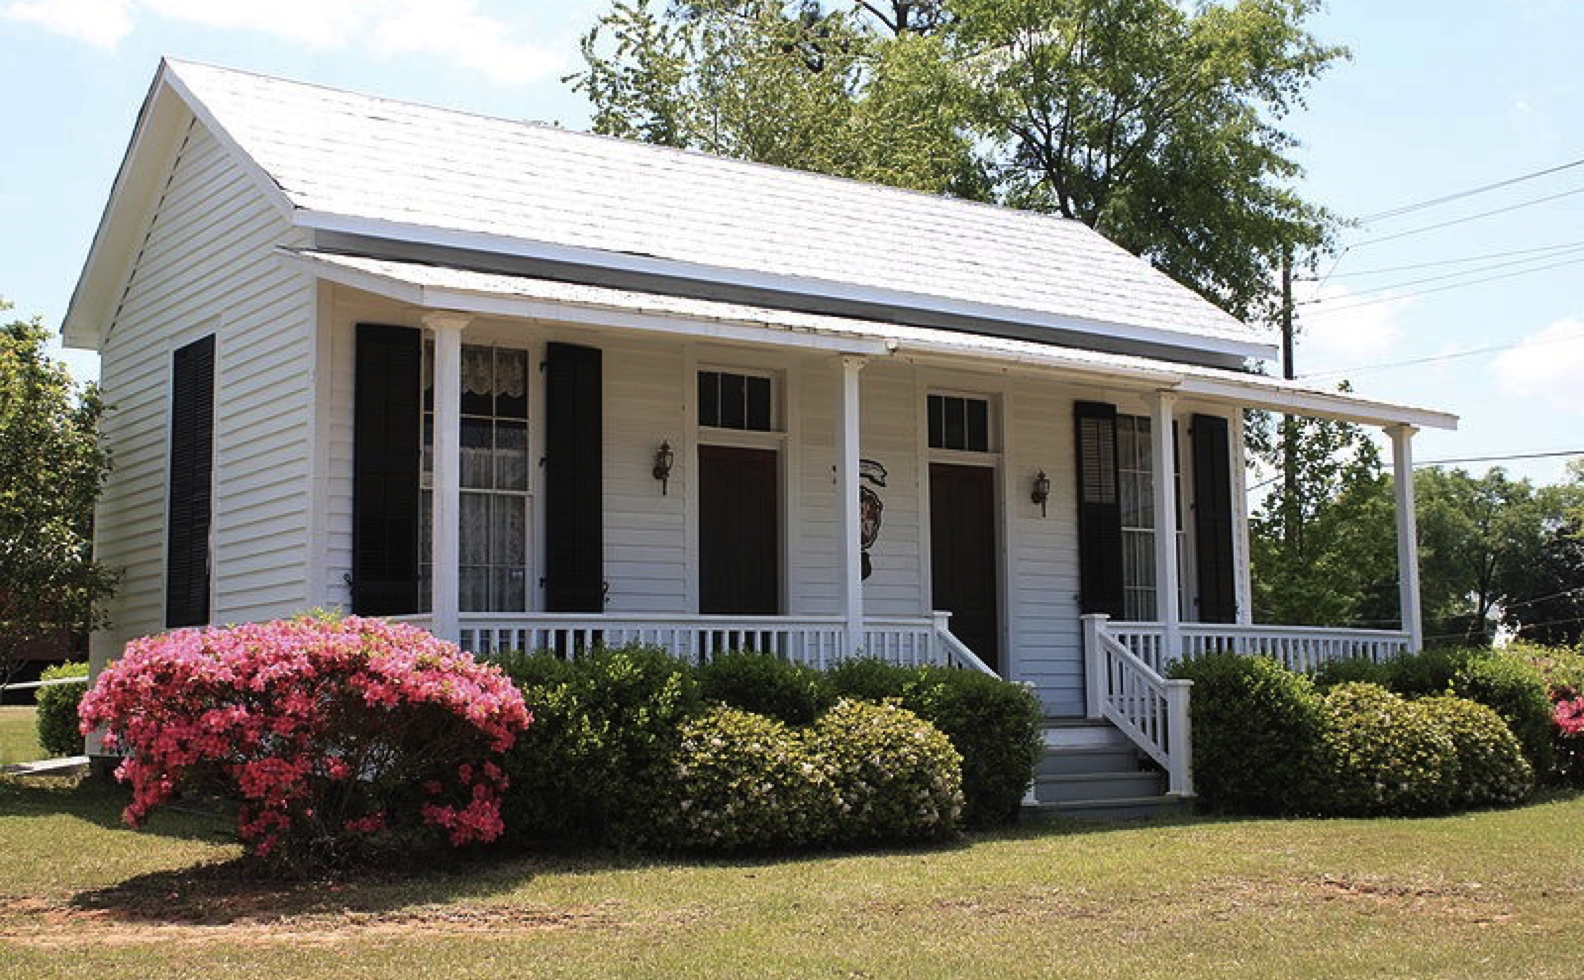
{"points": [[1155, 123], [1323, 548], [52, 466]]}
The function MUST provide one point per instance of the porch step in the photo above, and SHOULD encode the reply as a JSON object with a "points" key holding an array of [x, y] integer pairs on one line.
{"points": [[1091, 771], [1124, 808]]}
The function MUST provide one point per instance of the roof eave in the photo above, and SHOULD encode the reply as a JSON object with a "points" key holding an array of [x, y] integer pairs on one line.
{"points": [[720, 275]]}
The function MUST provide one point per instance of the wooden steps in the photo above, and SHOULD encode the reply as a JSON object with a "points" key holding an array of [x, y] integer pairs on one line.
{"points": [[1090, 771]]}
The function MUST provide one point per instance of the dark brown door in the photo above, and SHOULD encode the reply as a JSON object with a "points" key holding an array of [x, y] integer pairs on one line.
{"points": [[739, 537], [963, 555]]}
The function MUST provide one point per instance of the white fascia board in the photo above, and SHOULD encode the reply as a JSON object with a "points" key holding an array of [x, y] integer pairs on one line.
{"points": [[1051, 364], [525, 308], [822, 288], [133, 195], [268, 189], [1272, 396]]}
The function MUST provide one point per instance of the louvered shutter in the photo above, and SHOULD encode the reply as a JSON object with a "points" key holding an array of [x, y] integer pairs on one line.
{"points": [[574, 480], [191, 484], [386, 433], [1213, 522], [1099, 511]]}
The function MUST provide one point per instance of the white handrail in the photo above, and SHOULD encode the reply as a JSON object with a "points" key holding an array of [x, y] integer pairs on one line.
{"points": [[1146, 707], [1299, 648]]}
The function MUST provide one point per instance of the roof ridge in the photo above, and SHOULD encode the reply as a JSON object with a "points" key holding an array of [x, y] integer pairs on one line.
{"points": [[1023, 214]]}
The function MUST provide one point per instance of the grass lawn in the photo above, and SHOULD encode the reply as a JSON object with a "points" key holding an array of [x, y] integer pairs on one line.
{"points": [[18, 735], [1495, 894]]}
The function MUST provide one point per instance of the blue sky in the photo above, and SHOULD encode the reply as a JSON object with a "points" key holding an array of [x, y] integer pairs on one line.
{"points": [[1438, 98]]}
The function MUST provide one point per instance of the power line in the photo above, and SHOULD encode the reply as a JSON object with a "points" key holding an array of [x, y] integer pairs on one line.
{"points": [[1494, 459], [1455, 285], [1385, 365], [1459, 195], [1559, 247], [1472, 217], [1507, 264]]}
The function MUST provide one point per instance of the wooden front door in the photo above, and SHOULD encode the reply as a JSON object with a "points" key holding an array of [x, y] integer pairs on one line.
{"points": [[963, 555], [739, 533]]}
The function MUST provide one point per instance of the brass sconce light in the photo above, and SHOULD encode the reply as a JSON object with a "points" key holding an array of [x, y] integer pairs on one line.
{"points": [[1041, 490], [664, 458]]}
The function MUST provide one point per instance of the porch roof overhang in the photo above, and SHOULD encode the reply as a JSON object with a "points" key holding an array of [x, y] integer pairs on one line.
{"points": [[480, 293]]}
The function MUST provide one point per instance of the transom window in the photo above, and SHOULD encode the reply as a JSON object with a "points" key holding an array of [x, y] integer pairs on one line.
{"points": [[735, 401], [1136, 493], [493, 569], [958, 422]]}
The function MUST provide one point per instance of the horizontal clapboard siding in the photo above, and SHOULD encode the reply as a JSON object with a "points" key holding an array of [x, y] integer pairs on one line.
{"points": [[206, 267]]}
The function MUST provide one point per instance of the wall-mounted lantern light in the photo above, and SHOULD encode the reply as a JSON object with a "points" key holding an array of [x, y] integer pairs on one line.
{"points": [[664, 458], [1041, 490]]}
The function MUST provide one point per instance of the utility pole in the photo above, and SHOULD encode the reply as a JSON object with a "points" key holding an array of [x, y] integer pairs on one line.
{"points": [[1292, 513]]}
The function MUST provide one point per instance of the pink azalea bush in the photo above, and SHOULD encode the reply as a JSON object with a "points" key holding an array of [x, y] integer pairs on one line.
{"points": [[1569, 718], [338, 738]]}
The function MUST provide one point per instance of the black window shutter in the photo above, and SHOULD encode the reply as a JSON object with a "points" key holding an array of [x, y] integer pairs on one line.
{"points": [[1100, 587], [1212, 464], [191, 484], [386, 420], [574, 480]]}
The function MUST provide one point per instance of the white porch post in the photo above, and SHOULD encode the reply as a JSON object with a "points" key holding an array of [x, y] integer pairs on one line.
{"points": [[445, 527], [1163, 458], [1407, 534], [850, 550]]}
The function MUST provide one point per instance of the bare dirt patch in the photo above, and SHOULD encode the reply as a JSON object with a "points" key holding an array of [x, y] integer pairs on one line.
{"points": [[1463, 902]]}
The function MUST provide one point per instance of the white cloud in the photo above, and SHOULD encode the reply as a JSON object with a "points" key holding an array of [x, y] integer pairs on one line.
{"points": [[100, 23], [457, 31], [1547, 364], [1344, 329], [454, 32]]}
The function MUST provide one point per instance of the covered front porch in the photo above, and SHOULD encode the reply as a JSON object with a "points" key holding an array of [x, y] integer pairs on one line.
{"points": [[878, 442]]}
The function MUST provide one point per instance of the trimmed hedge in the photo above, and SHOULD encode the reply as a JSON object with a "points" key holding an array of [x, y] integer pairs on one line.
{"points": [[602, 725], [1491, 768], [994, 724], [57, 709], [1516, 691], [738, 781], [1385, 754], [766, 685], [896, 777], [1257, 735]]}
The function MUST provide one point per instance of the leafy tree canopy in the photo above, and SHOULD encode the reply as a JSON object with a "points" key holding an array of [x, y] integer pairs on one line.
{"points": [[52, 466], [1156, 123]]}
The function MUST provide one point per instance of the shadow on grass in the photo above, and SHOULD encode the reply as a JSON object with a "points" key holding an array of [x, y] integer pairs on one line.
{"points": [[100, 802]]}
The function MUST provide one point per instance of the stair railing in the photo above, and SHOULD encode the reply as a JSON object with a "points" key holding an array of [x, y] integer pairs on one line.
{"points": [[1146, 707]]}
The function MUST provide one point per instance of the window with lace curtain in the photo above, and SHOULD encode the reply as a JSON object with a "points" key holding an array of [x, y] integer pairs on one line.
{"points": [[493, 568], [1136, 490]]}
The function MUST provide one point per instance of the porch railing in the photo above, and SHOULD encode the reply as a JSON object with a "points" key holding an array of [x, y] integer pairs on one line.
{"points": [[1126, 664], [817, 641], [1149, 709], [1298, 648]]}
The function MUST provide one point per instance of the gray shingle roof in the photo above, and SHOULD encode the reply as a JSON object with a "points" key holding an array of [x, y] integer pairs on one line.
{"points": [[340, 153]]}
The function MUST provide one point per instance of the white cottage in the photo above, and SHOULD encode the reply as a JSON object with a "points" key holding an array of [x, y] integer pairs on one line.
{"points": [[532, 388]]}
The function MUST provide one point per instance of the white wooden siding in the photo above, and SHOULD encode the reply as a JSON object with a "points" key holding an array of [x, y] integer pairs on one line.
{"points": [[206, 267]]}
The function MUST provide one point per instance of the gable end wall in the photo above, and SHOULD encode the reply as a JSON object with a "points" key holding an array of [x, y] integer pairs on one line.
{"points": [[205, 266]]}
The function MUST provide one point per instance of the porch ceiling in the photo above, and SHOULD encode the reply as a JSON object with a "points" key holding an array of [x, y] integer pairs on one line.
{"points": [[497, 294]]}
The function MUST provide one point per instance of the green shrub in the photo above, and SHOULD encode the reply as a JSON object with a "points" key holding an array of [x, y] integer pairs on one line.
{"points": [[738, 781], [602, 725], [57, 709], [1516, 691], [1353, 670], [767, 685], [869, 679], [896, 777], [1385, 754], [1427, 673], [1257, 731], [1491, 767], [1561, 669], [994, 724]]}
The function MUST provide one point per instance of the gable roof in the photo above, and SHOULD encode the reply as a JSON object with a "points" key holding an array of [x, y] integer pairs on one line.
{"points": [[344, 162]]}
